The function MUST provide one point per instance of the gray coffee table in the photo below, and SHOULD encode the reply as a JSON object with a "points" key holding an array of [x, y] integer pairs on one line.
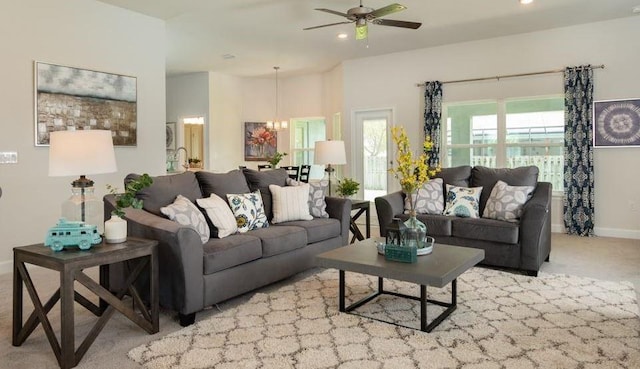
{"points": [[437, 269]]}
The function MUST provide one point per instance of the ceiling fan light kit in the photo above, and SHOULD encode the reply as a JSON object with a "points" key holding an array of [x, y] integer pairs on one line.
{"points": [[362, 15]]}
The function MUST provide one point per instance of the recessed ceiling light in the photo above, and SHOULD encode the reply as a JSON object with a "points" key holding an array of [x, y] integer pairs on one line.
{"points": [[524, 2], [636, 9], [342, 35], [228, 56]]}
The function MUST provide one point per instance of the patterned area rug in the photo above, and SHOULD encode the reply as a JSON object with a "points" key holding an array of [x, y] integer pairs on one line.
{"points": [[503, 320]]}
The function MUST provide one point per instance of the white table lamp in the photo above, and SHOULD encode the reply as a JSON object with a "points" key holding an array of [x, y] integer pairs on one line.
{"points": [[73, 153], [330, 153]]}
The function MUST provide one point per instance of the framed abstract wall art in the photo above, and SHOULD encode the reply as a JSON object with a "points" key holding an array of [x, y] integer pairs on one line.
{"points": [[616, 123], [171, 135], [259, 141], [68, 98]]}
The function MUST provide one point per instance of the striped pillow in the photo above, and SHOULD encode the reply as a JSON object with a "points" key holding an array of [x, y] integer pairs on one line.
{"points": [[290, 203], [220, 214]]}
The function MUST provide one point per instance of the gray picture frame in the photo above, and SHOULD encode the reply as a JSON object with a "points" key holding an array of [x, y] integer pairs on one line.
{"points": [[71, 98], [616, 123], [260, 142]]}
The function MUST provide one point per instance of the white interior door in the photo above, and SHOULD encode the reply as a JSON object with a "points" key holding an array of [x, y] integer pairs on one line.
{"points": [[372, 151]]}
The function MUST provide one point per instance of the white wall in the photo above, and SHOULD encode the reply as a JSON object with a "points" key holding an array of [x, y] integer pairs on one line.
{"points": [[389, 81], [188, 96], [80, 33], [225, 127]]}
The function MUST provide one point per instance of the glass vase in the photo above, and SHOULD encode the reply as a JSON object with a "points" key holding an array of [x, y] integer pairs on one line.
{"points": [[416, 231]]}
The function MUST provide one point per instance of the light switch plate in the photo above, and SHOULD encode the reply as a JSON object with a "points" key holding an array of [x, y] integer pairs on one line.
{"points": [[8, 157]]}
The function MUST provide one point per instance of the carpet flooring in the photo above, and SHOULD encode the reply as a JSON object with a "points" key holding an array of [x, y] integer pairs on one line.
{"points": [[503, 320]]}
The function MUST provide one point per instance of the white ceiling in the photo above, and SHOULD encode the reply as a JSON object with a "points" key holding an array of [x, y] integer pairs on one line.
{"points": [[265, 33]]}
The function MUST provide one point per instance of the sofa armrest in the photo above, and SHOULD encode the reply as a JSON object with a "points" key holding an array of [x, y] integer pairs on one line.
{"points": [[180, 256], [340, 208], [535, 228], [387, 207]]}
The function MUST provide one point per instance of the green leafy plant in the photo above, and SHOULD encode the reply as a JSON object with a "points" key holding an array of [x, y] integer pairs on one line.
{"points": [[194, 162], [347, 187], [128, 198], [276, 158]]}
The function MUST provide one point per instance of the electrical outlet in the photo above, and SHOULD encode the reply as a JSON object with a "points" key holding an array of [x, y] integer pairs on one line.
{"points": [[8, 157]]}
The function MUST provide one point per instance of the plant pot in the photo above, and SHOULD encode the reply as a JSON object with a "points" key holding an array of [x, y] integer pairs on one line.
{"points": [[115, 230]]}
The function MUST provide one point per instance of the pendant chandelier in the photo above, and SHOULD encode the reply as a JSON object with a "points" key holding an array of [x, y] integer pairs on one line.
{"points": [[276, 124]]}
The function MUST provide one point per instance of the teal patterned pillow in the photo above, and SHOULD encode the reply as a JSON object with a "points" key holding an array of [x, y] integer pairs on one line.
{"points": [[463, 202], [506, 202], [248, 210]]}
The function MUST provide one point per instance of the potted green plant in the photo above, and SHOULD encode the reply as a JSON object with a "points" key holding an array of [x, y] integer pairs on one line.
{"points": [[347, 187], [115, 229], [194, 163], [276, 158]]}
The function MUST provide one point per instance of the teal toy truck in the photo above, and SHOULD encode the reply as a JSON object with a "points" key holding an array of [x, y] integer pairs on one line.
{"points": [[68, 233]]}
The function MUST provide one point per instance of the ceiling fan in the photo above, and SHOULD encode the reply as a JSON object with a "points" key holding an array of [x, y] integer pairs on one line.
{"points": [[362, 15]]}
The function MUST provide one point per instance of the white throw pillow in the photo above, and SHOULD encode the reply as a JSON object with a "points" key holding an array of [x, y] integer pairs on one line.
{"points": [[220, 214], [290, 203], [463, 202], [317, 202], [429, 198], [506, 202], [186, 213], [248, 210]]}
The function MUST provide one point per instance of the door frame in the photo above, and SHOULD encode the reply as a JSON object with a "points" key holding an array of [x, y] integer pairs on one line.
{"points": [[357, 152]]}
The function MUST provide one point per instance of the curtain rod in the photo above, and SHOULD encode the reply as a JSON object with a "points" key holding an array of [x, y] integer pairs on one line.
{"points": [[601, 66]]}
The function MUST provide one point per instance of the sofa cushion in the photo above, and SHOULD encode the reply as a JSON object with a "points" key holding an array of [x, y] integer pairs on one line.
{"points": [[220, 254], [165, 189], [486, 230], [318, 229], [248, 210], [222, 184], [183, 211], [457, 176], [437, 225], [506, 202], [463, 201], [487, 177], [290, 203], [261, 181], [220, 215], [429, 199], [280, 239]]}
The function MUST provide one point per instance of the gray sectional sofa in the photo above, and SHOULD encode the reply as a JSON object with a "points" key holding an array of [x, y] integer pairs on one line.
{"points": [[522, 245], [194, 275]]}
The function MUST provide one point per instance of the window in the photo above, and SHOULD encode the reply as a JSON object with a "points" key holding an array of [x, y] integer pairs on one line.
{"points": [[507, 133], [305, 134]]}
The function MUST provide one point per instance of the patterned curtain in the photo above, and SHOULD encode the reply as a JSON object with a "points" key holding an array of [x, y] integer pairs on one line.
{"points": [[432, 116], [578, 151]]}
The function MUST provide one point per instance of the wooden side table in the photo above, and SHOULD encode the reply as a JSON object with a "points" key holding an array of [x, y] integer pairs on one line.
{"points": [[363, 206], [71, 263]]}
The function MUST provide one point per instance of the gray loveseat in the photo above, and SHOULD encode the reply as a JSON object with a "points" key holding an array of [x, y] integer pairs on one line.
{"points": [[522, 245], [194, 275]]}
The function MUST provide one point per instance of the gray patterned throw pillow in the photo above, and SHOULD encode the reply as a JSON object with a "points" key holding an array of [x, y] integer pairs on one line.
{"points": [[506, 202], [317, 191], [428, 200], [186, 213]]}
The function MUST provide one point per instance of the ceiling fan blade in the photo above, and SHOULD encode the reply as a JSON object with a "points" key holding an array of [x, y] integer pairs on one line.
{"points": [[396, 23], [389, 9], [326, 25], [333, 12]]}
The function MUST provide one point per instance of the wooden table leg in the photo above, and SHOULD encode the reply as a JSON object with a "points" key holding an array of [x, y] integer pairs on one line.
{"points": [[17, 302], [67, 331]]}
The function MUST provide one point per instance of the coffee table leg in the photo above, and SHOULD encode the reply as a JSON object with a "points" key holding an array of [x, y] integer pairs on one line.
{"points": [[423, 307], [341, 292], [380, 285]]}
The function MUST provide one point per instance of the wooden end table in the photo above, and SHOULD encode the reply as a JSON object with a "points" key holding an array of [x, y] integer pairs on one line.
{"points": [[70, 263], [363, 206]]}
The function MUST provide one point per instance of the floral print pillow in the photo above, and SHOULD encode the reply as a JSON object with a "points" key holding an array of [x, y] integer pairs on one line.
{"points": [[248, 210], [463, 202]]}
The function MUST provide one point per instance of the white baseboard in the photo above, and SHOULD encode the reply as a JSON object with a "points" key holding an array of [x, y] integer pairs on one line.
{"points": [[604, 232], [6, 266]]}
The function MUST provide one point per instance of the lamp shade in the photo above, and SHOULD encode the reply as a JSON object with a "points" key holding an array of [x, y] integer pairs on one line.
{"points": [[330, 152], [73, 153]]}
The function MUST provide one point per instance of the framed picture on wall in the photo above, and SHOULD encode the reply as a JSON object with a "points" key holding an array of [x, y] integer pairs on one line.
{"points": [[259, 141], [616, 123], [171, 135], [68, 98]]}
